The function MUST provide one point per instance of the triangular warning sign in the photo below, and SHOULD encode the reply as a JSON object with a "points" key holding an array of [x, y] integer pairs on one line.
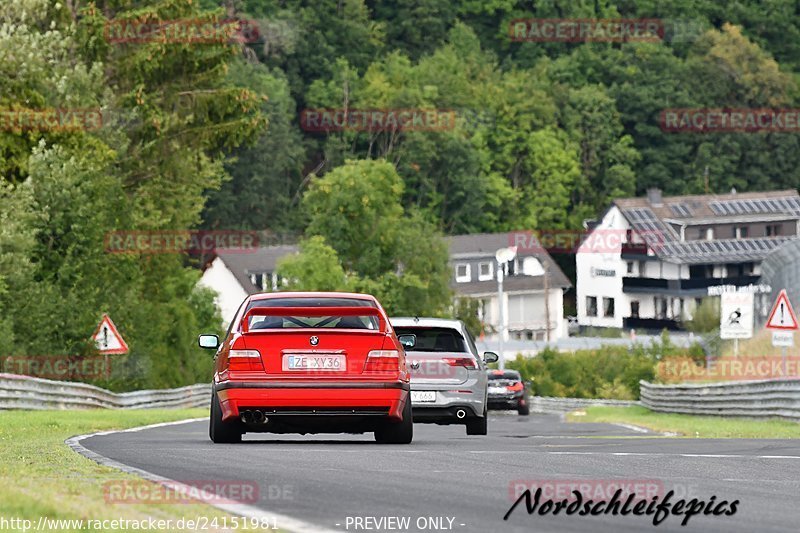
{"points": [[782, 315], [107, 338]]}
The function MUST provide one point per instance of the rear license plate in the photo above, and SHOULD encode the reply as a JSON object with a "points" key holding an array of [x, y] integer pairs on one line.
{"points": [[423, 396], [497, 390], [333, 363]]}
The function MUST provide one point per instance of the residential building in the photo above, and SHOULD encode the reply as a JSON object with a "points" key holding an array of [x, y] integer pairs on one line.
{"points": [[533, 304], [236, 275], [233, 276], [674, 251]]}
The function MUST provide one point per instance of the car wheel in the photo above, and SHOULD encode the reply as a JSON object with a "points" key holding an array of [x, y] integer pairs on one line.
{"points": [[398, 432], [523, 408], [479, 426], [219, 431]]}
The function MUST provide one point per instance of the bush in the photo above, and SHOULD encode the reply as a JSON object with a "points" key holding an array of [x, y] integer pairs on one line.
{"points": [[611, 372]]}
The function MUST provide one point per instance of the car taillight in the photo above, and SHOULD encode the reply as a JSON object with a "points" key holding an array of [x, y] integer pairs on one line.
{"points": [[245, 360], [515, 387], [382, 361], [466, 362]]}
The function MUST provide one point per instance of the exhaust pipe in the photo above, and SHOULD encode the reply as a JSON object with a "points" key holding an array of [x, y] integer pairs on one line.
{"points": [[461, 414], [258, 417], [247, 417]]}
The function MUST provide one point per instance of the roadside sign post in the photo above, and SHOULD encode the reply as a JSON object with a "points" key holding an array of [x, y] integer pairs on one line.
{"points": [[108, 340], [783, 322], [736, 317]]}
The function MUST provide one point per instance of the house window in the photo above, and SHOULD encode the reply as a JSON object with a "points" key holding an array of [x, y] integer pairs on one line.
{"points": [[608, 307], [485, 271], [512, 268], [462, 273], [591, 306], [258, 281], [740, 232], [661, 307], [634, 309], [630, 267], [773, 230], [642, 269], [710, 234]]}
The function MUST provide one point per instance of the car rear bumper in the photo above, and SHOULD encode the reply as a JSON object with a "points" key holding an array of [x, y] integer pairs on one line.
{"points": [[505, 401], [315, 399], [445, 414]]}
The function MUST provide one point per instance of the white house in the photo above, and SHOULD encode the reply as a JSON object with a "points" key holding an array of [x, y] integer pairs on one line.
{"points": [[533, 304], [236, 275], [648, 262]]}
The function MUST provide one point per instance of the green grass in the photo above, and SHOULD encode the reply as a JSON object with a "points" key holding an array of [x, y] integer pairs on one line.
{"points": [[691, 425], [42, 476]]}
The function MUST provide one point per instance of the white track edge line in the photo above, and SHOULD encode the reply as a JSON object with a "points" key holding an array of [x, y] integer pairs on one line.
{"points": [[284, 522]]}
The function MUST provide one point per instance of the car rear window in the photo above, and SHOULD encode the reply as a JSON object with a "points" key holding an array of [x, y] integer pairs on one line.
{"points": [[265, 322], [435, 339], [504, 375]]}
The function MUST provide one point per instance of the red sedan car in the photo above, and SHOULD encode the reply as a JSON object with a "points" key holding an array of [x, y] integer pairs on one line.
{"points": [[310, 362]]}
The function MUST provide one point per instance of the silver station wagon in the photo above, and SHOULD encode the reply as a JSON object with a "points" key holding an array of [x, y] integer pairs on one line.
{"points": [[448, 376]]}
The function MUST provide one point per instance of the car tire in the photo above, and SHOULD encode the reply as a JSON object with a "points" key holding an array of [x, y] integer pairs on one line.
{"points": [[222, 432], [397, 432], [523, 408], [479, 426]]}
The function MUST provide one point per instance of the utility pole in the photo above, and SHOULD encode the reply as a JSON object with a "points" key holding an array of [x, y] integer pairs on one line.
{"points": [[546, 299], [705, 178], [501, 314]]}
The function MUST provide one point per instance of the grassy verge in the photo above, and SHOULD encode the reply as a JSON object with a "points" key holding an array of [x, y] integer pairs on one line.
{"points": [[42, 476], [691, 425]]}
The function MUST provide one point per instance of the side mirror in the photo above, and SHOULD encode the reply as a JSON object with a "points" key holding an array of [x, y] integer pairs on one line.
{"points": [[490, 357], [408, 341], [209, 342]]}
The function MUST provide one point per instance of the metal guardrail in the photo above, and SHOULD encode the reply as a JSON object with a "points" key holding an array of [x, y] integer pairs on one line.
{"points": [[766, 398], [546, 404], [25, 392]]}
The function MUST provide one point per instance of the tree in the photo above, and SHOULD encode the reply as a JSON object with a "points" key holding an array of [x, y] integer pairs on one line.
{"points": [[396, 256], [315, 268]]}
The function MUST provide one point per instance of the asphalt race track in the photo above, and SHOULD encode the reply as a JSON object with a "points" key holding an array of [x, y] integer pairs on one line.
{"points": [[329, 482]]}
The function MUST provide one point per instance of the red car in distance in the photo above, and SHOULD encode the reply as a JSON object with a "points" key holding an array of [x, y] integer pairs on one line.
{"points": [[309, 362]]}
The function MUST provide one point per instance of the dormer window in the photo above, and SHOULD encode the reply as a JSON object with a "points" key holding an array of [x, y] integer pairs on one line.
{"points": [[485, 271], [463, 273]]}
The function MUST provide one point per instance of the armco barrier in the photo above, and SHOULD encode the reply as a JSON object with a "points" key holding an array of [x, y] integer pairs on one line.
{"points": [[545, 404], [766, 398], [24, 392]]}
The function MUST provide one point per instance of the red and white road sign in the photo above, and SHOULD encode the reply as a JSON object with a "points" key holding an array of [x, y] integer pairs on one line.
{"points": [[107, 338], [782, 316]]}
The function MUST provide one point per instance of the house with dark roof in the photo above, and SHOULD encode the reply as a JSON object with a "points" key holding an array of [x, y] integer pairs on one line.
{"points": [[234, 275], [532, 279], [674, 251], [533, 288]]}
